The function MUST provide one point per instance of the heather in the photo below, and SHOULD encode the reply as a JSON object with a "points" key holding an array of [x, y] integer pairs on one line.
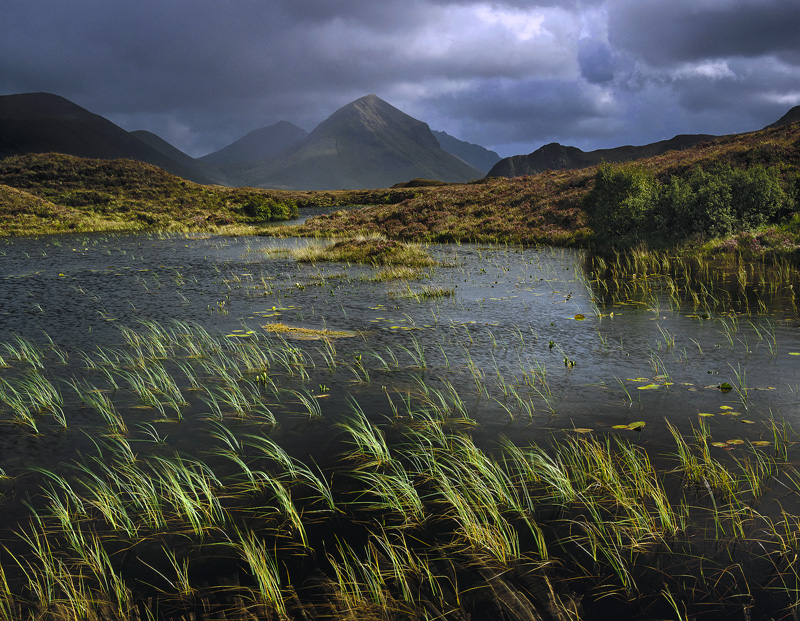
{"points": [[697, 196]]}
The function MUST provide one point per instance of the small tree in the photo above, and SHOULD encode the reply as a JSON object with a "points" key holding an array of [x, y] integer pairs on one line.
{"points": [[622, 204], [757, 195]]}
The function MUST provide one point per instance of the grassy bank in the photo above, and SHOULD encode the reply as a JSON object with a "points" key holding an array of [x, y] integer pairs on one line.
{"points": [[696, 196], [54, 193]]}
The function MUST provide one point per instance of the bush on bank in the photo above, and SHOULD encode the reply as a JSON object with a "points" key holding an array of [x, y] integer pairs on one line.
{"points": [[629, 205]]}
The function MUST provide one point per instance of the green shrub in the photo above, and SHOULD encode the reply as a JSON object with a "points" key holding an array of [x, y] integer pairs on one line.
{"points": [[710, 213], [757, 195], [622, 205], [265, 208], [627, 204]]}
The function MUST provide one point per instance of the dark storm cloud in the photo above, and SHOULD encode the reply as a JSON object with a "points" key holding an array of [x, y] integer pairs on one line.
{"points": [[594, 58], [510, 74], [676, 31], [725, 65], [502, 112]]}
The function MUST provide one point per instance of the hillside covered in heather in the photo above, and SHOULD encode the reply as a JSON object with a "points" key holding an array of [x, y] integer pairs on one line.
{"points": [[555, 207]]}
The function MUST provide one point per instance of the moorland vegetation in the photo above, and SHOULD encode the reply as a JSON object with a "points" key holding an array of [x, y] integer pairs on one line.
{"points": [[738, 192]]}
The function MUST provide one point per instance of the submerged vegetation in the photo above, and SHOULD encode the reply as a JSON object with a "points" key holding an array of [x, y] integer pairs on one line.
{"points": [[403, 515], [425, 467]]}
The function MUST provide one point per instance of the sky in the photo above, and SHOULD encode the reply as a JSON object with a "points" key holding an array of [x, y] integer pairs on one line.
{"points": [[509, 75]]}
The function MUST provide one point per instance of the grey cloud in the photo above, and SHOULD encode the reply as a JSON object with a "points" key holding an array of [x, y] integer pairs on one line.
{"points": [[594, 58], [663, 33], [528, 114]]}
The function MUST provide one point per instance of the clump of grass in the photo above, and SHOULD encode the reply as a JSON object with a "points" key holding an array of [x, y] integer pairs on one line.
{"points": [[307, 334], [371, 250], [429, 292], [398, 272]]}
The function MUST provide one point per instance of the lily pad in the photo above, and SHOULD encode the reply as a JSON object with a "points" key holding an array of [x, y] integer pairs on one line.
{"points": [[636, 426], [725, 387], [649, 387], [579, 317], [705, 414], [761, 443], [581, 430]]}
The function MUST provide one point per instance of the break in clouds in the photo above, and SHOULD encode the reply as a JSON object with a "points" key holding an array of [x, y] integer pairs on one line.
{"points": [[508, 75]]}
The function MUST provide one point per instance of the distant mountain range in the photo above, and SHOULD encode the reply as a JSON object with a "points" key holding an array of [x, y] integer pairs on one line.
{"points": [[41, 122], [555, 156], [365, 144]]}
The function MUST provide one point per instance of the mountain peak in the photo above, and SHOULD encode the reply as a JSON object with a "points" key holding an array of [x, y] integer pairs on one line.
{"points": [[258, 145], [367, 143], [793, 116], [43, 122], [40, 106]]}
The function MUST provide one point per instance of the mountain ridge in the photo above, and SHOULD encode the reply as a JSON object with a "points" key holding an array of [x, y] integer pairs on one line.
{"points": [[209, 171], [792, 116], [44, 122], [473, 154], [365, 144], [257, 145], [555, 156]]}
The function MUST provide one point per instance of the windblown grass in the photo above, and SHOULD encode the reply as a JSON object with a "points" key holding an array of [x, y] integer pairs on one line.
{"points": [[371, 250]]}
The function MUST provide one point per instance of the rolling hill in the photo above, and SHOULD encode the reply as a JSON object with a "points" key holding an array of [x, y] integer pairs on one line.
{"points": [[555, 156], [43, 123]]}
